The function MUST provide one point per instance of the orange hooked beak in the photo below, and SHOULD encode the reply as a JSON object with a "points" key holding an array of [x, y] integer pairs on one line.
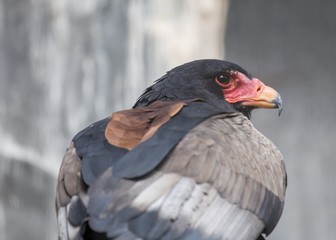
{"points": [[266, 98]]}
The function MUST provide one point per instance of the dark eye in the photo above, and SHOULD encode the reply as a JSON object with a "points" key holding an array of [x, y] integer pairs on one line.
{"points": [[223, 80]]}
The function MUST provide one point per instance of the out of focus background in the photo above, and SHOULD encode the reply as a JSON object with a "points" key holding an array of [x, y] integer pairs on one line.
{"points": [[67, 63]]}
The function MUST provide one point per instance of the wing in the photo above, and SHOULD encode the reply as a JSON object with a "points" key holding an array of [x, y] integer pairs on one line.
{"points": [[76, 173], [103, 144], [223, 180]]}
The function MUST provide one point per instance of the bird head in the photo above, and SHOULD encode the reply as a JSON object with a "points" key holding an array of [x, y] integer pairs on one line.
{"points": [[216, 82]]}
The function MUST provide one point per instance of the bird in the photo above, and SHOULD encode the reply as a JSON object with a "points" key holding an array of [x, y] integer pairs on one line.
{"points": [[185, 162]]}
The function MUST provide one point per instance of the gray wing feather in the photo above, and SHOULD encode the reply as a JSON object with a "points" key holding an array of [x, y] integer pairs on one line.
{"points": [[71, 197]]}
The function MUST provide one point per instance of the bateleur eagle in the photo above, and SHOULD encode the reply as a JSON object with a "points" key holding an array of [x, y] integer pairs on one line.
{"points": [[184, 163]]}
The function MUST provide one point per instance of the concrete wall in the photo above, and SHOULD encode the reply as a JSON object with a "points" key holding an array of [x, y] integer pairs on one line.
{"points": [[67, 63]]}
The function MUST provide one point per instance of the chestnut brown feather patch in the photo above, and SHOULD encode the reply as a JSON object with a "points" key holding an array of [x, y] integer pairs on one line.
{"points": [[128, 128]]}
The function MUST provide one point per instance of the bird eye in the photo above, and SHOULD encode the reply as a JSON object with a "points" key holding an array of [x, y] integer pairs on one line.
{"points": [[223, 80]]}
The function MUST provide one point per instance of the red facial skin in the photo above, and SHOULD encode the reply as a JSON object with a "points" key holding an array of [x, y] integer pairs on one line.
{"points": [[254, 93]]}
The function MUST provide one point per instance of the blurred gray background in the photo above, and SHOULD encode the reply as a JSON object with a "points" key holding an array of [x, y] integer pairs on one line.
{"points": [[67, 63]]}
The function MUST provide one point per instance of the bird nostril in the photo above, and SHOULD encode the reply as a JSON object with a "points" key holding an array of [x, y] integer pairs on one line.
{"points": [[258, 89]]}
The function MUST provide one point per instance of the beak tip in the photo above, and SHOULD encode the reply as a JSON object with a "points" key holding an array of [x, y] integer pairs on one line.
{"points": [[280, 111], [278, 102]]}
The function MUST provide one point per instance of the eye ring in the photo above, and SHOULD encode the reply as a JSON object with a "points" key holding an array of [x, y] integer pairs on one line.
{"points": [[223, 80]]}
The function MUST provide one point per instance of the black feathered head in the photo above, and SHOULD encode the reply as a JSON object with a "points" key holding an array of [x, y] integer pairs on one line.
{"points": [[217, 82]]}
